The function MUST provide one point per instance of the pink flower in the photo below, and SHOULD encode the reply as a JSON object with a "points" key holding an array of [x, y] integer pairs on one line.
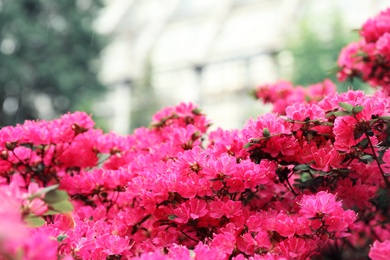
{"points": [[180, 252], [39, 246], [152, 256], [383, 44], [325, 158], [283, 224], [286, 145], [224, 242], [198, 208], [216, 208], [386, 160], [323, 206], [297, 248], [203, 251], [380, 251], [36, 206], [111, 244], [182, 214], [232, 208], [317, 92], [191, 160], [274, 124], [229, 208], [318, 205], [348, 61], [375, 27], [302, 112]]}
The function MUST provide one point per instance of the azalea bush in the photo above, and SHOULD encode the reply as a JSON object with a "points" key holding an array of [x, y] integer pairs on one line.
{"points": [[309, 181]]}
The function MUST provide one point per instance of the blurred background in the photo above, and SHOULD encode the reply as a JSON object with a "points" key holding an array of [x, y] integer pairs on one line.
{"points": [[122, 60]]}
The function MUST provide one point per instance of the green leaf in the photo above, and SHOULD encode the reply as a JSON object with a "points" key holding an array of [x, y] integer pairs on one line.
{"points": [[34, 221], [266, 132], [63, 206], [55, 196], [301, 167], [357, 135], [43, 191], [346, 106], [384, 117], [61, 238], [252, 141], [329, 114], [248, 145], [327, 123], [51, 212], [343, 170], [363, 143], [357, 109], [341, 113], [196, 111], [172, 217], [305, 177], [366, 158]]}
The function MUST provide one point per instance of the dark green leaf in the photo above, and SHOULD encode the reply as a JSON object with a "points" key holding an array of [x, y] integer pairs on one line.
{"points": [[342, 170], [366, 158], [266, 132], [363, 143], [301, 167], [172, 217], [61, 238], [357, 135]]}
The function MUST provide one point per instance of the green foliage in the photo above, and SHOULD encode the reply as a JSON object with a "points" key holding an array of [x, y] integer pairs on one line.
{"points": [[144, 99], [47, 47], [34, 221], [55, 196], [61, 238], [62, 207], [315, 52], [56, 200]]}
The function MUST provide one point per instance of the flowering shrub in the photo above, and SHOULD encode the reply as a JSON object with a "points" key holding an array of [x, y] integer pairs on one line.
{"points": [[309, 182], [369, 58]]}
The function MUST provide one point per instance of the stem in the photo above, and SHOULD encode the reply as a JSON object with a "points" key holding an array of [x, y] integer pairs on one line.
{"points": [[187, 236], [377, 161], [138, 225], [291, 188], [375, 234]]}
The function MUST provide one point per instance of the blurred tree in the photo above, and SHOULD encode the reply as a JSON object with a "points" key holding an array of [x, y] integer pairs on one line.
{"points": [[144, 99], [48, 57], [315, 52]]}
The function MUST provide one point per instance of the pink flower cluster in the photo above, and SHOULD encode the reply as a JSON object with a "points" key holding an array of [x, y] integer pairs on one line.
{"points": [[312, 181], [369, 58], [283, 94], [282, 187]]}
